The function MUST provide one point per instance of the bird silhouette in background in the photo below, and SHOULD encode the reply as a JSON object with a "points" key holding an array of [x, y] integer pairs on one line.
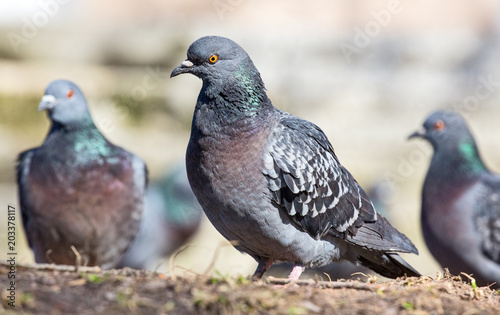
{"points": [[270, 181], [171, 216], [460, 201], [81, 196]]}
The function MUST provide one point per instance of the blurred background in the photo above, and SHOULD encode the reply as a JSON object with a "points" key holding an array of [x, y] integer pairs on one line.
{"points": [[367, 73]]}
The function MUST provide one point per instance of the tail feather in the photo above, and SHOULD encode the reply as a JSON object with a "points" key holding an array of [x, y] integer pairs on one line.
{"points": [[389, 265], [382, 236]]}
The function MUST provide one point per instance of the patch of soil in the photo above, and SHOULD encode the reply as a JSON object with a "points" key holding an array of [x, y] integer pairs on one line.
{"points": [[54, 290]]}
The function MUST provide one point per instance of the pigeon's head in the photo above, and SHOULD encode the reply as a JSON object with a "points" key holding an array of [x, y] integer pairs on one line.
{"points": [[65, 103], [226, 70], [213, 57], [445, 129]]}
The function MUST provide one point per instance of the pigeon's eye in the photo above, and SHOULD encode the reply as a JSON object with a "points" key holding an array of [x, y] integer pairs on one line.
{"points": [[439, 125], [70, 93], [213, 58]]}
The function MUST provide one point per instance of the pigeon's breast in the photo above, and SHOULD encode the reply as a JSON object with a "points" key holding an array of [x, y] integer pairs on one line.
{"points": [[446, 220], [225, 173], [226, 168], [90, 206]]}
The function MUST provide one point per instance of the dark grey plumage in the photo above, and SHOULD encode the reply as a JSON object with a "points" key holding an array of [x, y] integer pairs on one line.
{"points": [[460, 201], [78, 189], [271, 181]]}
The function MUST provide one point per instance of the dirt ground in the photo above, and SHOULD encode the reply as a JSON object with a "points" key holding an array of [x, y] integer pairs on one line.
{"points": [[91, 291]]}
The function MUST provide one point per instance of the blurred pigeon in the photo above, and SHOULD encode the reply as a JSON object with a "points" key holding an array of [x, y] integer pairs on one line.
{"points": [[380, 194], [171, 216], [270, 181], [460, 201], [78, 189]]}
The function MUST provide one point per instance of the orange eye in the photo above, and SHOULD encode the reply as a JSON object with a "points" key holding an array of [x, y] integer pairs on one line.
{"points": [[70, 93], [213, 58], [439, 125]]}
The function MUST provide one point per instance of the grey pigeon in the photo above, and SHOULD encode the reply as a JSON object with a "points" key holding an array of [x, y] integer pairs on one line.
{"points": [[270, 181], [460, 201], [77, 189], [171, 216]]}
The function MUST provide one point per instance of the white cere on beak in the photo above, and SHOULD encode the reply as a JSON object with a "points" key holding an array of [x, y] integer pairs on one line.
{"points": [[187, 63], [48, 102]]}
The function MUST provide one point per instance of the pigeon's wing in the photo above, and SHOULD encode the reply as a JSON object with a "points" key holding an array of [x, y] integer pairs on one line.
{"points": [[488, 217], [23, 165], [308, 182]]}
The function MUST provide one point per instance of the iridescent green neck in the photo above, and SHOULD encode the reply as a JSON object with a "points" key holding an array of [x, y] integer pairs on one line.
{"points": [[469, 153], [252, 84], [235, 100], [91, 143]]}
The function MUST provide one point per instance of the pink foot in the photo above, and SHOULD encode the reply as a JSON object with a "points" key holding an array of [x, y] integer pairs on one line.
{"points": [[296, 272]]}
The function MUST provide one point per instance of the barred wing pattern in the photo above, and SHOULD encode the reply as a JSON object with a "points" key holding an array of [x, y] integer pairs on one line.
{"points": [[309, 183]]}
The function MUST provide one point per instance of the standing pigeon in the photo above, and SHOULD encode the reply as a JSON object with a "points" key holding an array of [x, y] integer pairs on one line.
{"points": [[460, 201], [77, 189], [270, 181]]}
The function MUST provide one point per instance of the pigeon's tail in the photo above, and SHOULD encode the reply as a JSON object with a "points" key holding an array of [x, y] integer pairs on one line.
{"points": [[389, 265]]}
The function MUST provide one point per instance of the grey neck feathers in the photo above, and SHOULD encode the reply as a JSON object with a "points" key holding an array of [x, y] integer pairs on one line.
{"points": [[73, 125], [238, 99]]}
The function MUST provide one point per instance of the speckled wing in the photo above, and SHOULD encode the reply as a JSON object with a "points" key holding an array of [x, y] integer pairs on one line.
{"points": [[488, 217], [308, 182]]}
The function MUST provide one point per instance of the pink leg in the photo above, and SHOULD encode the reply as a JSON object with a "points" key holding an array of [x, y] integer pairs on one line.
{"points": [[296, 272]]}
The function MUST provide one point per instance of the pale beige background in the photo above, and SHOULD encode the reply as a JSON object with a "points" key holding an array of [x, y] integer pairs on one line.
{"points": [[422, 56]]}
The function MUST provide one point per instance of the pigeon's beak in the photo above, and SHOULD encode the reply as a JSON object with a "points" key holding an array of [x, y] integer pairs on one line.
{"points": [[420, 133], [48, 102], [185, 67]]}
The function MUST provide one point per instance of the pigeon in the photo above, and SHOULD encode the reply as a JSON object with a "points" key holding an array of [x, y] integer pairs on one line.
{"points": [[171, 216], [460, 201], [270, 182], [81, 197]]}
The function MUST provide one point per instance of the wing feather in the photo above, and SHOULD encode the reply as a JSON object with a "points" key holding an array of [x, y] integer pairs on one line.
{"points": [[488, 217], [308, 182]]}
